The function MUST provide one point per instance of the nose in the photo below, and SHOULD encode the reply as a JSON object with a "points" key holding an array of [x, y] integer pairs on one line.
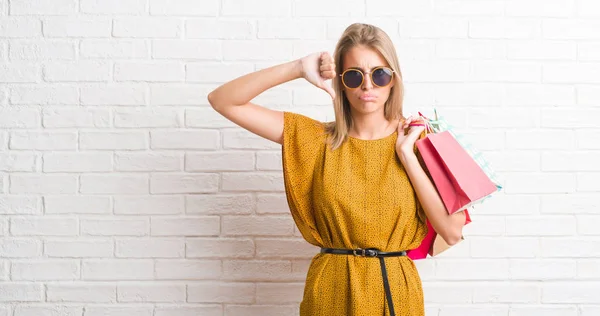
{"points": [[367, 84]]}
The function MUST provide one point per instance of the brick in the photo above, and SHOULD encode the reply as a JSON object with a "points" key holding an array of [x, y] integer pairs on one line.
{"points": [[187, 226], [508, 247], [264, 310], [184, 7], [473, 309], [48, 310], [269, 161], [34, 50], [277, 293], [538, 8], [45, 270], [243, 139], [578, 293], [217, 204], [186, 49], [263, 8], [394, 8], [113, 184], [21, 292], [541, 226], [17, 162], [185, 139], [587, 268], [188, 269], [565, 72], [256, 270], [533, 94], [439, 27], [135, 140], [219, 248], [543, 310], [44, 7], [579, 203], [336, 8], [204, 310], [115, 227], [75, 117], [83, 293], [570, 161], [570, 247], [220, 161], [588, 52], [142, 117], [562, 118], [291, 29], [149, 205], [170, 293], [111, 48], [74, 26], [19, 118], [522, 183], [475, 8], [149, 71], [150, 248], [219, 29], [178, 94], [111, 7], [77, 162], [148, 162], [19, 73], [507, 71], [147, 27], [542, 269], [541, 50], [514, 160], [589, 310], [43, 184], [135, 310], [504, 28], [79, 71], [20, 27], [586, 95], [455, 71], [79, 248], [251, 50], [113, 94], [284, 248], [207, 118], [496, 269], [221, 292], [586, 182], [269, 203], [44, 226], [44, 94], [17, 205], [257, 225], [117, 270], [244, 181], [20, 248], [507, 293], [540, 139], [79, 204], [571, 29], [184, 183]]}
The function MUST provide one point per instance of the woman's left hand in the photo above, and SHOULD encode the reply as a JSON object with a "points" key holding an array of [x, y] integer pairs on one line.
{"points": [[406, 140]]}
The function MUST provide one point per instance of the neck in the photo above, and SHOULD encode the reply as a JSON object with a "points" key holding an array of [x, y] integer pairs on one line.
{"points": [[371, 126]]}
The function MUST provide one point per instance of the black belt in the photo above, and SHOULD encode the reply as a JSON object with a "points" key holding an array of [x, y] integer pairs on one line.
{"points": [[372, 252]]}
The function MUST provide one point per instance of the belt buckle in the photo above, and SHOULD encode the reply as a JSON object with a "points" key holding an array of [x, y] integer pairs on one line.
{"points": [[364, 252]]}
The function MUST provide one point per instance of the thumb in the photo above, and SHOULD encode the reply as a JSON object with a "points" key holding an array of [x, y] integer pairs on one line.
{"points": [[328, 89]]}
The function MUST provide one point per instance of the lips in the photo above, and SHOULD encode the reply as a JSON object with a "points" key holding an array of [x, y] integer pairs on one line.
{"points": [[368, 97]]}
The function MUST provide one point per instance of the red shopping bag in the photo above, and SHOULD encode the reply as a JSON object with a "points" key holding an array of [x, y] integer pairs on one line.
{"points": [[459, 180], [433, 244]]}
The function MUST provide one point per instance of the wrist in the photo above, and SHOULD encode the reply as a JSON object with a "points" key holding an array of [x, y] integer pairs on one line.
{"points": [[298, 70], [406, 153]]}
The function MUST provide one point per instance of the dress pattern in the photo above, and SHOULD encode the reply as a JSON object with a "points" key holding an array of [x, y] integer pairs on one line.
{"points": [[357, 196]]}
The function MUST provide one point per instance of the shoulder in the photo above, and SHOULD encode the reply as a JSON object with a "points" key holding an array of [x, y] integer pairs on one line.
{"points": [[302, 125]]}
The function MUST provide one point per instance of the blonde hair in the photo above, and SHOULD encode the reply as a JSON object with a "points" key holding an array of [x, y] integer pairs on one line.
{"points": [[375, 38]]}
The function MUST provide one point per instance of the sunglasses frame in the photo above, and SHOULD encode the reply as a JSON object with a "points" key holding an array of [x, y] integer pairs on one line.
{"points": [[370, 73]]}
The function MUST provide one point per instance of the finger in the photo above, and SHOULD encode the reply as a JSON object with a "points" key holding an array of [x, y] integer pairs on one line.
{"points": [[328, 89], [328, 74], [326, 67], [324, 57]]}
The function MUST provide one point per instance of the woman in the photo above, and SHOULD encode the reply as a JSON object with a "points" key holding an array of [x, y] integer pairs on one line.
{"points": [[354, 186]]}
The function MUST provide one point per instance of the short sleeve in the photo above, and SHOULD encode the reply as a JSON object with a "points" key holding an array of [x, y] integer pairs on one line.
{"points": [[303, 145]]}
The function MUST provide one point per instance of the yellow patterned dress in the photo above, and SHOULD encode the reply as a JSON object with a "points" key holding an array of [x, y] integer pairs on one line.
{"points": [[357, 196]]}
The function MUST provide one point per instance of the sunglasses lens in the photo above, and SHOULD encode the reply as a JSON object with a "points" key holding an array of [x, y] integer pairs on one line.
{"points": [[352, 78], [382, 76]]}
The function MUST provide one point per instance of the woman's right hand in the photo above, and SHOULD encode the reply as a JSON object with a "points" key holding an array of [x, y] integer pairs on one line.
{"points": [[318, 67]]}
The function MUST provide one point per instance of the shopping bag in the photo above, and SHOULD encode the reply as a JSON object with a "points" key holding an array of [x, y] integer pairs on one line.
{"points": [[433, 244], [458, 179]]}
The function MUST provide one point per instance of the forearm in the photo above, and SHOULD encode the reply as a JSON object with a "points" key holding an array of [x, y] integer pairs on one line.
{"points": [[447, 226], [245, 88]]}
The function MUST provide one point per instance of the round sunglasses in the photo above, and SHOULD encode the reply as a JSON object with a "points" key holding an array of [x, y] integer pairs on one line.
{"points": [[380, 76]]}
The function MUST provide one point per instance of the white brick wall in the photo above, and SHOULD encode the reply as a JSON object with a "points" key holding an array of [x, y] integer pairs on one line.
{"points": [[123, 193]]}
